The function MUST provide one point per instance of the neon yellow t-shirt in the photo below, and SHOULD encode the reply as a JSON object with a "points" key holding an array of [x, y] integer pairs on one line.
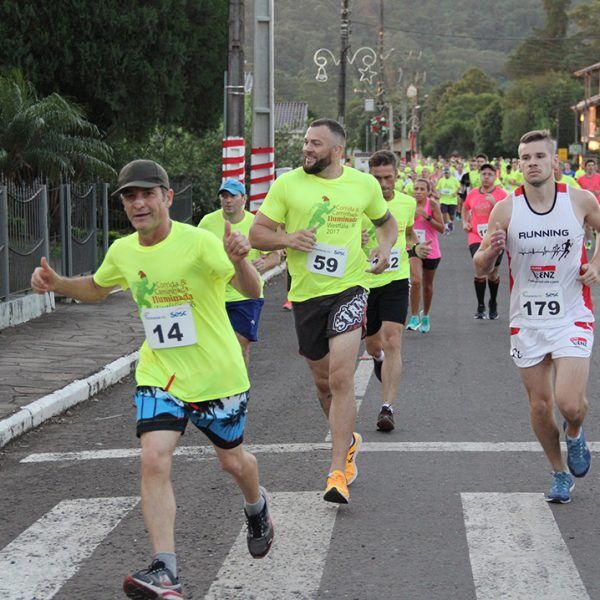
{"points": [[409, 187], [403, 209], [189, 267], [215, 223], [335, 207], [448, 187], [579, 173], [475, 180], [569, 181]]}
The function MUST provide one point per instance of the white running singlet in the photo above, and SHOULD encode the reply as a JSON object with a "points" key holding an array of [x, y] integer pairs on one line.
{"points": [[545, 252]]}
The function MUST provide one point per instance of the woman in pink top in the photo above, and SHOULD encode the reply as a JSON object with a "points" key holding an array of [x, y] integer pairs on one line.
{"points": [[428, 223]]}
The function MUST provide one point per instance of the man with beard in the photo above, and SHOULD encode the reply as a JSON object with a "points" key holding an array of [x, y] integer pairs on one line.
{"points": [[541, 225], [321, 206]]}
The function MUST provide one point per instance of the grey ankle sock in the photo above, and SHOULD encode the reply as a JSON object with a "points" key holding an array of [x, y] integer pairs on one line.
{"points": [[254, 509], [169, 559]]}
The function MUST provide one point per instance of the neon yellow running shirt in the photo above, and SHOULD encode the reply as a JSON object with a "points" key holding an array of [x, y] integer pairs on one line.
{"points": [[403, 209], [335, 208], [448, 187], [215, 223], [188, 268]]}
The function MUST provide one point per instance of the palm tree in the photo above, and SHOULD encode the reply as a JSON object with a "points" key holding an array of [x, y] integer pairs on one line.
{"points": [[47, 137]]}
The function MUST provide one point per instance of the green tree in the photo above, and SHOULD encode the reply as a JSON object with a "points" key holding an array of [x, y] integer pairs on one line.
{"points": [[546, 49], [131, 65], [585, 44], [47, 137], [488, 129]]}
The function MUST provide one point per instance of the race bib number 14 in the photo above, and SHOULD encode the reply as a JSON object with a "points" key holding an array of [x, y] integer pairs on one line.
{"points": [[327, 260], [169, 326]]}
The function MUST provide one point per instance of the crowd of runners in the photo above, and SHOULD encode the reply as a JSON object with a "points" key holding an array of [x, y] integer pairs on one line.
{"points": [[361, 249]]}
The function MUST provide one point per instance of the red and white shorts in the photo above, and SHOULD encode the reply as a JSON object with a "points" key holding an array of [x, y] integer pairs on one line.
{"points": [[528, 347]]}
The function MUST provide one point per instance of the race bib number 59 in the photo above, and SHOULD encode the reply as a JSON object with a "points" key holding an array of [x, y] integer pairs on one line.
{"points": [[327, 260], [542, 304], [169, 326]]}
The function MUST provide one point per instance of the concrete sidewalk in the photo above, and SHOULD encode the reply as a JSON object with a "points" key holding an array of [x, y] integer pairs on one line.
{"points": [[65, 357]]}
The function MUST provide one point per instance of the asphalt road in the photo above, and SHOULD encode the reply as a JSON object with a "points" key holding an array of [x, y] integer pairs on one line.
{"points": [[419, 514]]}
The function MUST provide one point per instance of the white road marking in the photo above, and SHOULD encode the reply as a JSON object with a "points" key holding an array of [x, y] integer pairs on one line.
{"points": [[204, 452], [517, 551], [294, 567], [38, 562]]}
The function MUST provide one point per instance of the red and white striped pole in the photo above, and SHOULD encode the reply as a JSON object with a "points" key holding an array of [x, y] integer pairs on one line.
{"points": [[234, 158], [262, 174]]}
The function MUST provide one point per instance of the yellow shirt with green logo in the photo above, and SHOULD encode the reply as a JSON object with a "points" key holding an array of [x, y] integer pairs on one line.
{"points": [[448, 187], [190, 266], [215, 223], [403, 209], [335, 208]]}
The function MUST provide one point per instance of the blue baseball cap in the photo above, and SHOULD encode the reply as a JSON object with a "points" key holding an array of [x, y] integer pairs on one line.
{"points": [[233, 186]]}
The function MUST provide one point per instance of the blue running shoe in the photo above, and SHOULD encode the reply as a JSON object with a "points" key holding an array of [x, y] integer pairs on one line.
{"points": [[562, 486], [425, 323], [579, 457], [414, 323]]}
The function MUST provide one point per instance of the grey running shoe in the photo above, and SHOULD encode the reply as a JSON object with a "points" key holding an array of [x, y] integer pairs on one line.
{"points": [[562, 486], [260, 530], [385, 419], [154, 582]]}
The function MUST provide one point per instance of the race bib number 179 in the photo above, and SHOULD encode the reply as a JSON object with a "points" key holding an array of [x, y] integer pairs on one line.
{"points": [[169, 326]]}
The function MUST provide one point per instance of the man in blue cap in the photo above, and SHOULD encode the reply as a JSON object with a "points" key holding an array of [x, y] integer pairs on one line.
{"points": [[244, 313]]}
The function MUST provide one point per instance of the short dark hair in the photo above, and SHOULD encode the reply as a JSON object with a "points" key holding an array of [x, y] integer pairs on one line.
{"points": [[487, 166], [382, 158], [588, 161], [332, 125], [484, 156], [537, 135]]}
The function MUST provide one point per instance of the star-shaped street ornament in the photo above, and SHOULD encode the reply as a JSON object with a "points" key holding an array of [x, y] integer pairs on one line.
{"points": [[367, 74]]}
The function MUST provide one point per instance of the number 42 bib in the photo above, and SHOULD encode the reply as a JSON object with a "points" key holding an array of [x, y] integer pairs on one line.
{"points": [[169, 326]]}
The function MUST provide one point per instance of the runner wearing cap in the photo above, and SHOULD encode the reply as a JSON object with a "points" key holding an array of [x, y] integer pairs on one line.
{"points": [[541, 225], [244, 313], [476, 213], [190, 367], [321, 206]]}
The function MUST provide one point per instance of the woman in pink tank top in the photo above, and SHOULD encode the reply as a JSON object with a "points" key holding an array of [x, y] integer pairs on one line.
{"points": [[428, 224]]}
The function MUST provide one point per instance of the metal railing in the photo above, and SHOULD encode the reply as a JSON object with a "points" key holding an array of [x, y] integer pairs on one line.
{"points": [[73, 231]]}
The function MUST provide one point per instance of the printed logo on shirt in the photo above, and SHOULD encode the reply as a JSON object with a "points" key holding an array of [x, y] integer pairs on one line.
{"points": [[333, 217], [149, 295], [544, 272]]}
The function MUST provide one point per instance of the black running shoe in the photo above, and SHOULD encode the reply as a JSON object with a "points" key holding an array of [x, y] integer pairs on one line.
{"points": [[377, 368], [154, 582], [260, 531], [480, 314], [493, 313], [385, 419]]}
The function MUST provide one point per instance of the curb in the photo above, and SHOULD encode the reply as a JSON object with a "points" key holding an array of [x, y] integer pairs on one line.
{"points": [[38, 411]]}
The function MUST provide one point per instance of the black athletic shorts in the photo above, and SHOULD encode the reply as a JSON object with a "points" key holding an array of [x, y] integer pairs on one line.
{"points": [[448, 208], [474, 247], [324, 317], [429, 264], [387, 303]]}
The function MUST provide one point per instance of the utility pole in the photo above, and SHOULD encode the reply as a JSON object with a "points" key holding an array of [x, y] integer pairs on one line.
{"points": [[380, 79], [344, 48], [234, 146], [235, 71]]}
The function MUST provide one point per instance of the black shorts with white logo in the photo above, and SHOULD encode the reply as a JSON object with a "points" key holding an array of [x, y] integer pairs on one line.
{"points": [[387, 303], [324, 317]]}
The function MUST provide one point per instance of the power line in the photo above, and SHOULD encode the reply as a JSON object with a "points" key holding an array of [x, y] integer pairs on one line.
{"points": [[471, 37]]}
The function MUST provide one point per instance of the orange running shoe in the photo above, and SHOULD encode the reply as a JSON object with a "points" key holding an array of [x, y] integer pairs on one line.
{"points": [[336, 490], [351, 468]]}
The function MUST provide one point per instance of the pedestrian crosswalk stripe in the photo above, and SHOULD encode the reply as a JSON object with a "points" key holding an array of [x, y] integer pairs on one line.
{"points": [[517, 551], [294, 567], [203, 452], [36, 564]]}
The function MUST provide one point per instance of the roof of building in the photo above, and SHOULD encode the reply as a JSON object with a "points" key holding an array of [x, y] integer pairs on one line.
{"points": [[291, 116]]}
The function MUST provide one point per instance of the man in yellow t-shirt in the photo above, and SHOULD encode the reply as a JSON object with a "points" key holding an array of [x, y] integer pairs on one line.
{"points": [[244, 313], [448, 187], [388, 296], [321, 206], [190, 366]]}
